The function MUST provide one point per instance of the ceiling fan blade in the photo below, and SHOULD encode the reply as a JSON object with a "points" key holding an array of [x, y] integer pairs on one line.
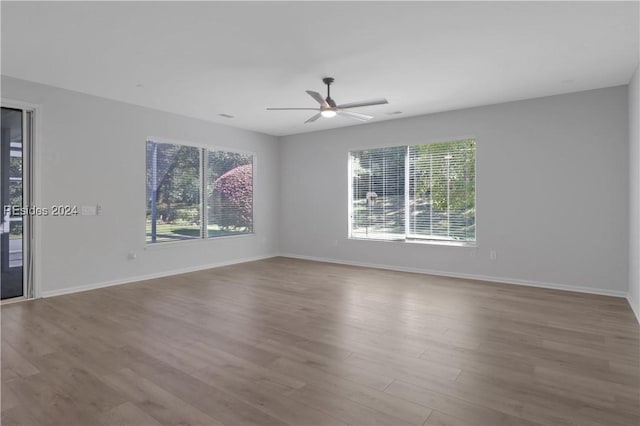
{"points": [[380, 101], [355, 115], [314, 118], [318, 97], [293, 109]]}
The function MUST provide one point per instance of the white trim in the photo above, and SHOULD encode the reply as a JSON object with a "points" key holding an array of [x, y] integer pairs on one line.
{"points": [[86, 287], [406, 239], [13, 300], [418, 240], [514, 281], [634, 308], [502, 280], [203, 169], [210, 147], [415, 141], [192, 241], [13, 103], [35, 184], [349, 193]]}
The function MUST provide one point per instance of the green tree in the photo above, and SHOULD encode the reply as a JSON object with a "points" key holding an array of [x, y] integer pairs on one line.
{"points": [[177, 181], [445, 172]]}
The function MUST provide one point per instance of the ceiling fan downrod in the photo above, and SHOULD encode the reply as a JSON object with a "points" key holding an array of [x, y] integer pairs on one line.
{"points": [[328, 81]]}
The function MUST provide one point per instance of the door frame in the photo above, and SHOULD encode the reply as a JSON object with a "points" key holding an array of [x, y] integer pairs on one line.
{"points": [[31, 196]]}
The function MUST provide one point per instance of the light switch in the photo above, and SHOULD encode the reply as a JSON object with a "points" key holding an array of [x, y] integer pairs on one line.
{"points": [[88, 210]]}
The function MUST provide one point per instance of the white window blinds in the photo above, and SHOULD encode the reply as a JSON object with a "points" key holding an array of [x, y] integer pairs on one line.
{"points": [[197, 193], [173, 192], [230, 193], [414, 192], [378, 193]]}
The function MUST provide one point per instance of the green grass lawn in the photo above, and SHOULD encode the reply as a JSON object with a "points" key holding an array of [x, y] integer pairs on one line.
{"points": [[176, 232]]}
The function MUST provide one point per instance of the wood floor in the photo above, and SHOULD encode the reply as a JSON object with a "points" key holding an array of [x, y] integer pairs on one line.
{"points": [[284, 341]]}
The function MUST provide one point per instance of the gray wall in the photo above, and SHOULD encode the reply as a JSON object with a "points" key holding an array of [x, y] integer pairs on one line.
{"points": [[92, 151], [552, 192], [552, 182], [634, 194]]}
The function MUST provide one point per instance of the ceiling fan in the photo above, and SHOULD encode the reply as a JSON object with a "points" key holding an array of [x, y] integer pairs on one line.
{"points": [[329, 108]]}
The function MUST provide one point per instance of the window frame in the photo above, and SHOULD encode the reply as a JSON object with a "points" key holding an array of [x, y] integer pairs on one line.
{"points": [[203, 210], [405, 239]]}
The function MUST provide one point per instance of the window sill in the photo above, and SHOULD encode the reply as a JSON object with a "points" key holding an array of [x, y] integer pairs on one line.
{"points": [[193, 241], [470, 244]]}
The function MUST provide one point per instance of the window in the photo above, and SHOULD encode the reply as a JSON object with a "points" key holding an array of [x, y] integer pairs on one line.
{"points": [[195, 193], [229, 193], [417, 192]]}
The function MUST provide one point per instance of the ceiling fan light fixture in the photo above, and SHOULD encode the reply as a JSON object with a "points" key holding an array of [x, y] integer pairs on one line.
{"points": [[328, 113]]}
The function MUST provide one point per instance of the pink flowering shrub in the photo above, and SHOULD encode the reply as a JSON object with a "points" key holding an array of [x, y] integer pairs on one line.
{"points": [[236, 189]]}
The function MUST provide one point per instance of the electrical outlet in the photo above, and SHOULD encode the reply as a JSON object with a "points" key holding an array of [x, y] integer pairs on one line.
{"points": [[493, 255]]}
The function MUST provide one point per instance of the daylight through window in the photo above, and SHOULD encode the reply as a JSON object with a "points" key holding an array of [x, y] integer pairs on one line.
{"points": [[197, 193], [417, 192]]}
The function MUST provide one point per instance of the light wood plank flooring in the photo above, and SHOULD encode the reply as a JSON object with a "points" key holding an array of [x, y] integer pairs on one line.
{"points": [[285, 341]]}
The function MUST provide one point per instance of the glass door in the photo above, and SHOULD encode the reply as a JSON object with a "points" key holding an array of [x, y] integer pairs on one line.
{"points": [[15, 125]]}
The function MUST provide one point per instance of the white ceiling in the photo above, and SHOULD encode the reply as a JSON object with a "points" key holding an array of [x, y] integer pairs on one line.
{"points": [[202, 59]]}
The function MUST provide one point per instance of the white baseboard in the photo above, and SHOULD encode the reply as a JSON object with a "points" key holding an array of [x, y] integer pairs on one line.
{"points": [[77, 289], [502, 280], [635, 308], [553, 286]]}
